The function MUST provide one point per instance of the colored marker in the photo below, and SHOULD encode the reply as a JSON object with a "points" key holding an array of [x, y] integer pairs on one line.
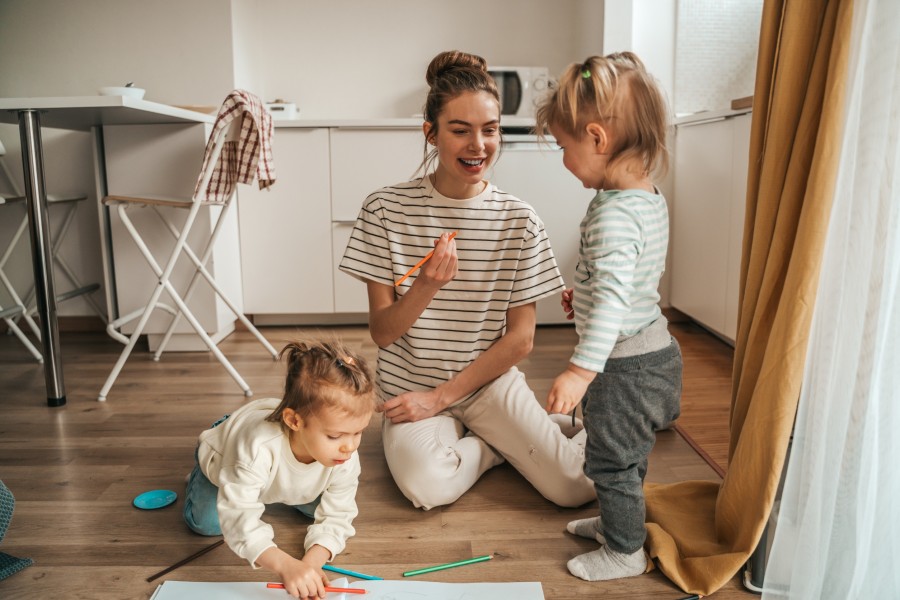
{"points": [[280, 586], [460, 563], [421, 262], [348, 572]]}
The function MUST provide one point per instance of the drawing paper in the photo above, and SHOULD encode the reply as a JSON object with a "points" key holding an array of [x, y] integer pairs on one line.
{"points": [[377, 590]]}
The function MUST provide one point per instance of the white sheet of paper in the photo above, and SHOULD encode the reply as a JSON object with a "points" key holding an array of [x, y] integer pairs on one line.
{"points": [[377, 590]]}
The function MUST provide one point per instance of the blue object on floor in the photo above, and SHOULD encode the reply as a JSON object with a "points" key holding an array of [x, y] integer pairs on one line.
{"points": [[155, 499], [8, 564]]}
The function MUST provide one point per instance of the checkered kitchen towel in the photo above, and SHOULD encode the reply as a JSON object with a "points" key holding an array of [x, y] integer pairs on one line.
{"points": [[8, 564], [241, 161]]}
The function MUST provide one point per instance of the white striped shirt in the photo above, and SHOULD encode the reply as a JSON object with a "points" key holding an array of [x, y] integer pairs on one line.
{"points": [[624, 237], [505, 260]]}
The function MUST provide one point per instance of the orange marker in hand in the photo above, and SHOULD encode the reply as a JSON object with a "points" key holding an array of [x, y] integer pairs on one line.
{"points": [[421, 262]]}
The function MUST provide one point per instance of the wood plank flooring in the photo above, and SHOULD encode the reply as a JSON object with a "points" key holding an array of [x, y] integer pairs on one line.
{"points": [[75, 470]]}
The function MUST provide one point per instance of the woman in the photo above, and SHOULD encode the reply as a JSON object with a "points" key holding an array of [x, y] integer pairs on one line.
{"points": [[450, 335]]}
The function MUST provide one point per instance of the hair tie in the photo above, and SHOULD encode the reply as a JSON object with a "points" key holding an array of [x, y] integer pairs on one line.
{"points": [[586, 74]]}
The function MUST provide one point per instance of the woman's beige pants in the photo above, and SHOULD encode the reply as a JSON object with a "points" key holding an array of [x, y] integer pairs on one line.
{"points": [[435, 460]]}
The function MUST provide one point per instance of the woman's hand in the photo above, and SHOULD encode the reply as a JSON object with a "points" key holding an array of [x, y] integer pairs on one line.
{"points": [[568, 389], [391, 316], [413, 406], [442, 267], [567, 296]]}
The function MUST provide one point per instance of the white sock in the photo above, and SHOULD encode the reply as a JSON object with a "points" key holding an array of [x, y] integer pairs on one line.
{"points": [[605, 564], [587, 528]]}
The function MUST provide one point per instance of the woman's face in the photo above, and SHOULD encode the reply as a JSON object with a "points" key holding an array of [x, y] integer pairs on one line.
{"points": [[467, 139]]}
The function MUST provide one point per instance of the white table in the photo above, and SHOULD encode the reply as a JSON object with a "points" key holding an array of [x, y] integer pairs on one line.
{"points": [[88, 113]]}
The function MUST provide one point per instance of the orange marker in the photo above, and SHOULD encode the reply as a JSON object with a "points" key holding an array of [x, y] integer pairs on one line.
{"points": [[422, 262], [280, 586]]}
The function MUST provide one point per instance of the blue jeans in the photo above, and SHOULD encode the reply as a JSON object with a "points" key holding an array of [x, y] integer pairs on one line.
{"points": [[200, 497]]}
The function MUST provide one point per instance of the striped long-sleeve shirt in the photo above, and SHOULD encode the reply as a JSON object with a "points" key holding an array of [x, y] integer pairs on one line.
{"points": [[624, 237], [505, 260]]}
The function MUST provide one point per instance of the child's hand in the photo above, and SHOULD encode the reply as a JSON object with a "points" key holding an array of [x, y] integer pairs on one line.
{"points": [[568, 389], [567, 296], [301, 579]]}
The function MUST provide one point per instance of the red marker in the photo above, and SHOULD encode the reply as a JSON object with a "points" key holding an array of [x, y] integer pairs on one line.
{"points": [[280, 586]]}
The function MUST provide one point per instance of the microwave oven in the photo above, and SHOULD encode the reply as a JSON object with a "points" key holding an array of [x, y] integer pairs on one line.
{"points": [[521, 88]]}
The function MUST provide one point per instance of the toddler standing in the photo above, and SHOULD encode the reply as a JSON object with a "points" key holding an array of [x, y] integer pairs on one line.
{"points": [[610, 119]]}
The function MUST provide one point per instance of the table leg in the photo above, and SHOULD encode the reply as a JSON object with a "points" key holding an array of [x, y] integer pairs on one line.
{"points": [[36, 201]]}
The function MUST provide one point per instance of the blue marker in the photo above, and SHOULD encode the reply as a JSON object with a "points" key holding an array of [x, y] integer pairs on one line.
{"points": [[350, 573]]}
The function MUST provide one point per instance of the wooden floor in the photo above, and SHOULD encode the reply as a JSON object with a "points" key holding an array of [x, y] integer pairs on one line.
{"points": [[75, 470]]}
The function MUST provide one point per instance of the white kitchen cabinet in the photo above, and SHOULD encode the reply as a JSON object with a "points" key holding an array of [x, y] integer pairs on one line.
{"points": [[708, 218], [535, 173], [362, 161], [293, 235], [286, 230], [350, 294]]}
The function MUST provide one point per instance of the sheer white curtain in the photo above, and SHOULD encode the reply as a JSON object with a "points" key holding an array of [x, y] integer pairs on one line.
{"points": [[838, 527]]}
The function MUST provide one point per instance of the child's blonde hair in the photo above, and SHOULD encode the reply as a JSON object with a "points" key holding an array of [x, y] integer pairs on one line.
{"points": [[617, 91], [324, 375]]}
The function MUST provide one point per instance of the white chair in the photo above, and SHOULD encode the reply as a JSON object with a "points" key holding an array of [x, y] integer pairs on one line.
{"points": [[242, 123], [24, 308]]}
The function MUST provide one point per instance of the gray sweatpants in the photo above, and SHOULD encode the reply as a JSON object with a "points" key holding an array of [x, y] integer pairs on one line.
{"points": [[624, 407]]}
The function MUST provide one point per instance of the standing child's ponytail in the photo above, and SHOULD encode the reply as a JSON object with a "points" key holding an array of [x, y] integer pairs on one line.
{"points": [[617, 91]]}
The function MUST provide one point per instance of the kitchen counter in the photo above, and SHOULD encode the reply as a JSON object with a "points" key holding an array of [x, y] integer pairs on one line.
{"points": [[382, 123], [710, 115]]}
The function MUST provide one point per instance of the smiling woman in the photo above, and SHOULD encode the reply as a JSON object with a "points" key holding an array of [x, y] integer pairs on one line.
{"points": [[451, 334]]}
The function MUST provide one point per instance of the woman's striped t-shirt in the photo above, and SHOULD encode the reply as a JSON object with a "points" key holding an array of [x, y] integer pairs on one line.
{"points": [[622, 256], [505, 260]]}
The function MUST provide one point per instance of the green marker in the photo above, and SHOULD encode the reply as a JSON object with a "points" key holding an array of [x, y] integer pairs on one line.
{"points": [[460, 563]]}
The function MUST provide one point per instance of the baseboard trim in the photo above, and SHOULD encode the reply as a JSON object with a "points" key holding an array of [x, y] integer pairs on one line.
{"points": [[673, 315]]}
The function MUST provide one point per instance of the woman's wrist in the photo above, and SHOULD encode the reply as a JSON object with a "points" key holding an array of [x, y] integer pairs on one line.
{"points": [[445, 395]]}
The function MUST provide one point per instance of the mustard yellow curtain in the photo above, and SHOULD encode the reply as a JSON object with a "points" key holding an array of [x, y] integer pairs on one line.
{"points": [[702, 533]]}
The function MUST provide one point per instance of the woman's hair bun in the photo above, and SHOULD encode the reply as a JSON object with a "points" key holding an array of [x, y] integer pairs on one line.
{"points": [[452, 60]]}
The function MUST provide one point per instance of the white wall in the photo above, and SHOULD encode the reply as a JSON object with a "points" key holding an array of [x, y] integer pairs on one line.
{"points": [[715, 53], [364, 59], [180, 52]]}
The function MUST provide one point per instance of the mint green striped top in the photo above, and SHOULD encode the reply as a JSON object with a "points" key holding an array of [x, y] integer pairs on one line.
{"points": [[624, 237]]}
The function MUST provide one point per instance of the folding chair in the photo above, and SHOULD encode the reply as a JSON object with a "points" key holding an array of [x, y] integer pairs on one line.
{"points": [[238, 151], [25, 308]]}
